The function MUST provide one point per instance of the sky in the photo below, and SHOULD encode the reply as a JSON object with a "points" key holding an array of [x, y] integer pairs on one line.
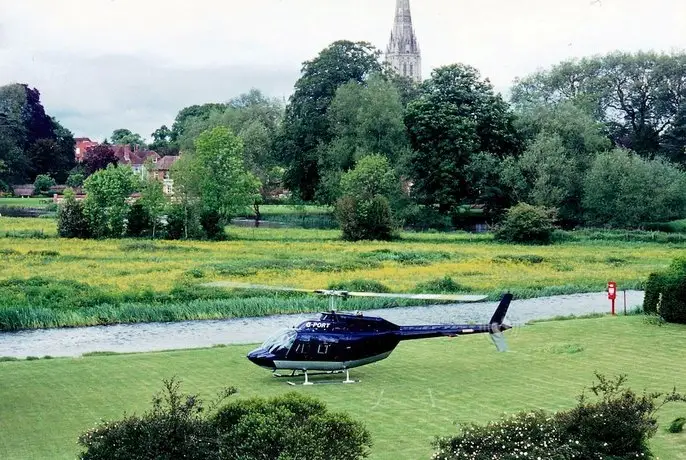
{"points": [[107, 64]]}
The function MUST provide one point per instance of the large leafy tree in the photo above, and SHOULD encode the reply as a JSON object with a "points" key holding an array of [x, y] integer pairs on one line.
{"points": [[31, 142], [106, 206], [214, 176], [306, 126], [562, 142], [638, 96], [98, 157], [364, 119], [456, 117], [123, 136]]}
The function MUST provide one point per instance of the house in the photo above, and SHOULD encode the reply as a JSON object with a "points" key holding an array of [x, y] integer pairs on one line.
{"points": [[136, 158], [82, 144], [161, 171]]}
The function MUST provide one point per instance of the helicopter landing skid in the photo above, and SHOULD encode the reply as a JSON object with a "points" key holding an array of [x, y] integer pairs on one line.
{"points": [[307, 381]]}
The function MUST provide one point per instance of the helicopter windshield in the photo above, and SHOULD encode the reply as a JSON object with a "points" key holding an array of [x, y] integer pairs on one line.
{"points": [[283, 339]]}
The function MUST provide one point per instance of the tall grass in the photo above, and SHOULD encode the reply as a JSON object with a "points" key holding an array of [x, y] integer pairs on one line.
{"points": [[47, 281]]}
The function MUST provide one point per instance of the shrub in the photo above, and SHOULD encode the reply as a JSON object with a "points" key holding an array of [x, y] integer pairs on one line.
{"points": [[138, 221], [211, 223], [524, 223], [43, 183], [174, 428], [666, 293], [617, 426], [365, 219], [179, 426], [71, 218]]}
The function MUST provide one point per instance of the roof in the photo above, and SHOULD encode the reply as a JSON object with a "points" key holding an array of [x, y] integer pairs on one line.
{"points": [[135, 157], [165, 163], [82, 139]]}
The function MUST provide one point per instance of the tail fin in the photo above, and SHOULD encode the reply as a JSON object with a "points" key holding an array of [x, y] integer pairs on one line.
{"points": [[496, 323], [501, 311]]}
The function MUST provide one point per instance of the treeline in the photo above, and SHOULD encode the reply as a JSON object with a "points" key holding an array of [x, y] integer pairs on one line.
{"points": [[599, 141]]}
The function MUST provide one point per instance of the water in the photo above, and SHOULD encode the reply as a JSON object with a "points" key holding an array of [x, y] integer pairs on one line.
{"points": [[193, 334]]}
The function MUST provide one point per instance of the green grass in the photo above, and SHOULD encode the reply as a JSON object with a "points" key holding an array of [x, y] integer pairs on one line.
{"points": [[25, 202], [418, 393]]}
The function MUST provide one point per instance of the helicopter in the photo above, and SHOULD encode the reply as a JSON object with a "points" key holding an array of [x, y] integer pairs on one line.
{"points": [[337, 342]]}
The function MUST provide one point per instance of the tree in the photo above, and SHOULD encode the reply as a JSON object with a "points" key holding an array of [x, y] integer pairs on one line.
{"points": [[624, 190], [364, 118], [638, 96], [214, 179], [71, 218], [162, 142], [306, 126], [364, 211], [562, 142], [31, 142], [226, 187], [106, 206], [456, 116], [98, 157], [43, 183], [153, 200], [126, 137]]}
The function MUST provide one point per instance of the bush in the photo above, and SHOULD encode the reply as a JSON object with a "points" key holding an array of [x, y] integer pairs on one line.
{"points": [[211, 223], [43, 183], [179, 426], [665, 293], [524, 223], [138, 221], [71, 218], [615, 427], [365, 219]]}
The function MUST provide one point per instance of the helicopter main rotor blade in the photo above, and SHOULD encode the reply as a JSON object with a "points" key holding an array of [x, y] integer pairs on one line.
{"points": [[455, 297], [340, 293], [231, 284]]}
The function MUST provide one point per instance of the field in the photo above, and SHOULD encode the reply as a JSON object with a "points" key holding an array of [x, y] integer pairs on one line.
{"points": [[24, 202], [47, 281], [418, 393]]}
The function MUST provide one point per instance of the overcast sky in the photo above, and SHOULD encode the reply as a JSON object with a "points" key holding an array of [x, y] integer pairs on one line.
{"points": [[107, 64]]}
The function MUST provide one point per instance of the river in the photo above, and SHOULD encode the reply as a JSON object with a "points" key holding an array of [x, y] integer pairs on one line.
{"points": [[143, 337]]}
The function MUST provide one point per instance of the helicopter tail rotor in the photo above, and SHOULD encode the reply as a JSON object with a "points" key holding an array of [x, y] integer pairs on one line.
{"points": [[496, 323]]}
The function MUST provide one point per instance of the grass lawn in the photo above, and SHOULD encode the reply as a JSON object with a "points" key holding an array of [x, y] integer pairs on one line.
{"points": [[33, 202], [419, 392]]}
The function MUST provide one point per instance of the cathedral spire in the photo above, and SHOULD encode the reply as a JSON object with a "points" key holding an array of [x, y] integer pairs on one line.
{"points": [[403, 49]]}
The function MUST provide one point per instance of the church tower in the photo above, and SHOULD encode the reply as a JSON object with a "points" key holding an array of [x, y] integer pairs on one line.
{"points": [[403, 50]]}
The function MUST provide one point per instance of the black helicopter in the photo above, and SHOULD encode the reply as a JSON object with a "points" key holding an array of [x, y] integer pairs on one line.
{"points": [[338, 342]]}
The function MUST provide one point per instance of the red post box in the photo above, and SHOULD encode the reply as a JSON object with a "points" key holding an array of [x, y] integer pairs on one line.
{"points": [[612, 294]]}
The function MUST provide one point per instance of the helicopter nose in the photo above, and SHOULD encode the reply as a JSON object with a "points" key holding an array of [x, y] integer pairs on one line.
{"points": [[262, 358]]}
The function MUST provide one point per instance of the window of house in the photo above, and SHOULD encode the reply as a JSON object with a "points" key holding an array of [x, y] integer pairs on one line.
{"points": [[405, 68]]}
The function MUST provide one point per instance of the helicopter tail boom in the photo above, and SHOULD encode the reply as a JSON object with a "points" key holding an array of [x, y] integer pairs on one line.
{"points": [[495, 327]]}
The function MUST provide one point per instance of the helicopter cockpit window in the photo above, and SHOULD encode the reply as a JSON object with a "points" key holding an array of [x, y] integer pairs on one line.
{"points": [[283, 339]]}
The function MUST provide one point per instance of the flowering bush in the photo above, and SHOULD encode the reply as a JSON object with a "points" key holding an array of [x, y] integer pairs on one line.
{"points": [[617, 427]]}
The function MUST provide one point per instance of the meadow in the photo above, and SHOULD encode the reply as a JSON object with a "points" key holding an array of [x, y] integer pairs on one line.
{"points": [[46, 281], [422, 390]]}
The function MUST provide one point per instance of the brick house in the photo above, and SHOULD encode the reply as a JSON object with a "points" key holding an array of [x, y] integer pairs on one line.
{"points": [[82, 144], [161, 171]]}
